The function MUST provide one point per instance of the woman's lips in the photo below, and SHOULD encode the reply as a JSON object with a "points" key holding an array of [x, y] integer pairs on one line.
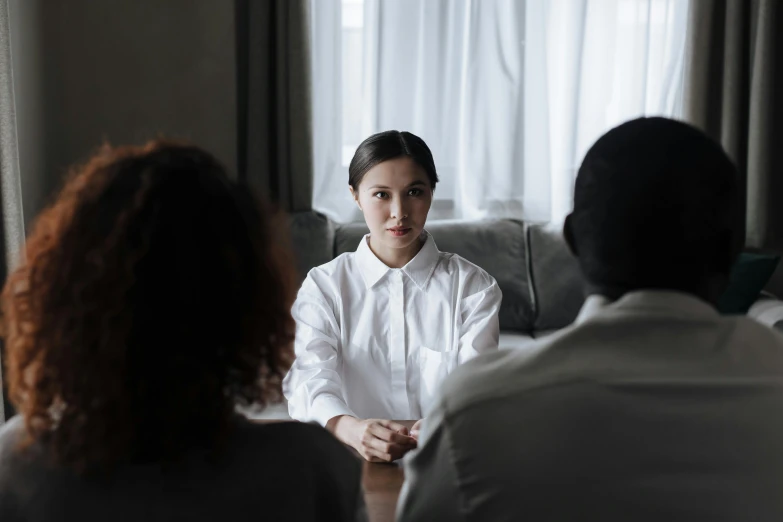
{"points": [[399, 231]]}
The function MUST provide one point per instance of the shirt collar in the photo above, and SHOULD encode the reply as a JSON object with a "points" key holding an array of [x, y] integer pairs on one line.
{"points": [[419, 269], [649, 301]]}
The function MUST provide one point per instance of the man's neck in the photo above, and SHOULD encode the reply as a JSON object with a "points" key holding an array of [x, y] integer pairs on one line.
{"points": [[709, 293]]}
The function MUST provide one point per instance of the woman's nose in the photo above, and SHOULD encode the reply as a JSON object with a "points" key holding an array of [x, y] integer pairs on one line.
{"points": [[398, 209]]}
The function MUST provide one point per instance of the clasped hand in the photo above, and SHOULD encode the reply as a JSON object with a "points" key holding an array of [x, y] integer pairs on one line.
{"points": [[376, 440]]}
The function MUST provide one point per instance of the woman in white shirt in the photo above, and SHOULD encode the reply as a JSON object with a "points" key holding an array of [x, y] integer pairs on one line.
{"points": [[378, 329]]}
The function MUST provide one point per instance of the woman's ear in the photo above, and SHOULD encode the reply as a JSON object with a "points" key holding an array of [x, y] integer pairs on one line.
{"points": [[355, 196]]}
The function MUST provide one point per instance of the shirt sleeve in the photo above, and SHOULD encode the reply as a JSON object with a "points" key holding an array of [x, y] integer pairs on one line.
{"points": [[313, 385], [480, 328], [431, 489]]}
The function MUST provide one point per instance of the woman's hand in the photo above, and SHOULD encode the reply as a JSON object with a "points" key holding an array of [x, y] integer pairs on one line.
{"points": [[376, 440], [416, 429]]}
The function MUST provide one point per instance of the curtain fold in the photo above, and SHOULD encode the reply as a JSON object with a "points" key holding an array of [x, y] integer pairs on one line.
{"points": [[508, 94], [734, 81], [274, 100], [12, 226]]}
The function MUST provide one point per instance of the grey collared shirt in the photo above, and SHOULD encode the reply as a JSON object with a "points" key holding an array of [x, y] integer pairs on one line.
{"points": [[654, 407]]}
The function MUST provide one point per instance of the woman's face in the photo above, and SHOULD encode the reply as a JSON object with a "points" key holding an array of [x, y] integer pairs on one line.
{"points": [[395, 197]]}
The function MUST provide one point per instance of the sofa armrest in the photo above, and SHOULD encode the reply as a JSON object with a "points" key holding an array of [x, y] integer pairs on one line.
{"points": [[768, 311]]}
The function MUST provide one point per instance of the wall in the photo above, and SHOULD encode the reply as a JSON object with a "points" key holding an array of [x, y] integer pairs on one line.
{"points": [[124, 71], [86, 71]]}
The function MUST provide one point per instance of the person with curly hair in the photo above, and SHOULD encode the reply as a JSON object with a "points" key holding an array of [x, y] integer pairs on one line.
{"points": [[153, 302]]}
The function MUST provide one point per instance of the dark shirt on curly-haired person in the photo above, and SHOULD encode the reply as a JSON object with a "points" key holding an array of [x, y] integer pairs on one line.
{"points": [[281, 471]]}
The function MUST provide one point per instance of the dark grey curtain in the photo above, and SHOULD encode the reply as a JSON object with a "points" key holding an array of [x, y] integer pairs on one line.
{"points": [[11, 218], [273, 95], [734, 91]]}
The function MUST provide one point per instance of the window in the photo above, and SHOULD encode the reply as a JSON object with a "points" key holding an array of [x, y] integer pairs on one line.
{"points": [[508, 94], [352, 60]]}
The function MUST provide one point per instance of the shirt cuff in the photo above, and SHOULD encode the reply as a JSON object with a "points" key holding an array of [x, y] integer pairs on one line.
{"points": [[327, 407]]}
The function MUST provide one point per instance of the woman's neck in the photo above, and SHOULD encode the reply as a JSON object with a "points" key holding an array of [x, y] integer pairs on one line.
{"points": [[395, 257]]}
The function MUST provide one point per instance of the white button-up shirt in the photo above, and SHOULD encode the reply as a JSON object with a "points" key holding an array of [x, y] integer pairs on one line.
{"points": [[375, 342], [654, 407]]}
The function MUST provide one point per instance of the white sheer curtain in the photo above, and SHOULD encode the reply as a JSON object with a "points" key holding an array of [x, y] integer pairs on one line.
{"points": [[509, 94], [11, 216]]}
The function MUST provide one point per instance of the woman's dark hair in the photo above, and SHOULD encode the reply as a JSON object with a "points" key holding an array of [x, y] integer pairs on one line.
{"points": [[386, 146], [154, 300]]}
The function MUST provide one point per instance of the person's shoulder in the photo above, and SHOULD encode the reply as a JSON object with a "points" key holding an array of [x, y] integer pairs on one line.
{"points": [[325, 448], [475, 278], [493, 375], [553, 361], [11, 433], [16, 465], [326, 278], [458, 262], [340, 263], [331, 466], [326, 459], [747, 336], [759, 336], [309, 441]]}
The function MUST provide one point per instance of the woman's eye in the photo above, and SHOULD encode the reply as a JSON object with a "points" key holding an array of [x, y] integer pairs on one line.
{"points": [[415, 192], [381, 195]]}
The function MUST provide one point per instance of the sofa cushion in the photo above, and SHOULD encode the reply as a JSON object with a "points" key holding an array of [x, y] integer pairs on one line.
{"points": [[555, 278], [748, 277], [516, 341], [312, 240], [496, 245], [769, 311]]}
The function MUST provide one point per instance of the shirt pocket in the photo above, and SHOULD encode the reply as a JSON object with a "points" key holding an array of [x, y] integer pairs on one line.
{"points": [[434, 366]]}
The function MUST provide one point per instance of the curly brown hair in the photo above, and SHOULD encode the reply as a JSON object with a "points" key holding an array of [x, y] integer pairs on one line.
{"points": [[155, 298]]}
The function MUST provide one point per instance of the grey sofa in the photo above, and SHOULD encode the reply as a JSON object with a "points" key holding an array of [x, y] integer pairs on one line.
{"points": [[540, 279]]}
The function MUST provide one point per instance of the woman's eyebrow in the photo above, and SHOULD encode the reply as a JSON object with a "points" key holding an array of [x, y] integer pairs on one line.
{"points": [[417, 182]]}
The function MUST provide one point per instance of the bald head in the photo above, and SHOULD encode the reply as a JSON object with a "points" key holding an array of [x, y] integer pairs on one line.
{"points": [[656, 205]]}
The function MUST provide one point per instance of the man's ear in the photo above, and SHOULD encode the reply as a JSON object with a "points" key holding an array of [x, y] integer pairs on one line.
{"points": [[568, 234], [355, 196]]}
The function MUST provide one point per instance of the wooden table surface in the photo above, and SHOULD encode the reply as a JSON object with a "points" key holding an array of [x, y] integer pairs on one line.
{"points": [[381, 484]]}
